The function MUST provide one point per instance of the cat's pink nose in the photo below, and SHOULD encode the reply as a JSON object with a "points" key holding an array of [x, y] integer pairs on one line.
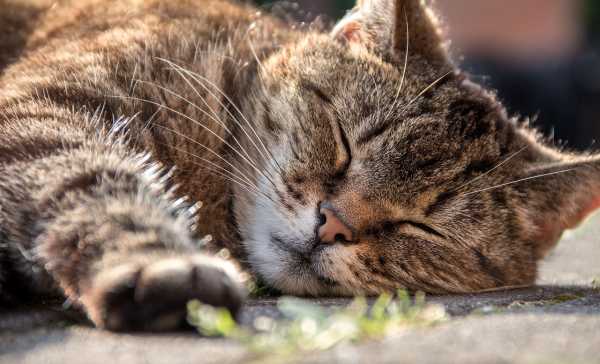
{"points": [[332, 229]]}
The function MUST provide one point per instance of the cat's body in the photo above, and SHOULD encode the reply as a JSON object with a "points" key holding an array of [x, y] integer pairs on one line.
{"points": [[82, 96], [326, 163]]}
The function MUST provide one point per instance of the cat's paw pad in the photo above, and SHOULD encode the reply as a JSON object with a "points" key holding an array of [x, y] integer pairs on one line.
{"points": [[153, 296]]}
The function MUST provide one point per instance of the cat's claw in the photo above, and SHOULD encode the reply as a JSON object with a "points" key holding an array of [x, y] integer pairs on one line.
{"points": [[153, 296]]}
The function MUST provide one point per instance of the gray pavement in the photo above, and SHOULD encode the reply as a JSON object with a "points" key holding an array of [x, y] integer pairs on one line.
{"points": [[557, 321]]}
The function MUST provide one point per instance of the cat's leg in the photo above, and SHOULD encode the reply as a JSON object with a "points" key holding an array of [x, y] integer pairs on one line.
{"points": [[98, 218]]}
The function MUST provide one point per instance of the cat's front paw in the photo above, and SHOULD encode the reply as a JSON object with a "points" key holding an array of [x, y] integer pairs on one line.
{"points": [[153, 295]]}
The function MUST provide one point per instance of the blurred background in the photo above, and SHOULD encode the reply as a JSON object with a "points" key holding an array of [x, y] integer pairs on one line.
{"points": [[542, 56]]}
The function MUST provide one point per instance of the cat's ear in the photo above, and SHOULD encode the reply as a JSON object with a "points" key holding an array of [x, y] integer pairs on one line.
{"points": [[389, 27], [558, 194]]}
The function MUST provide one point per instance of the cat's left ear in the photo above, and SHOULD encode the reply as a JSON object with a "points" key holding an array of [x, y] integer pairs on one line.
{"points": [[388, 27]]}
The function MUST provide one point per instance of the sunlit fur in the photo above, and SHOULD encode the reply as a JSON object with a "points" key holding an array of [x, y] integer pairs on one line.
{"points": [[112, 111]]}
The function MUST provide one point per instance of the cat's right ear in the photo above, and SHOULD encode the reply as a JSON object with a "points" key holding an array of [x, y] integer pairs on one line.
{"points": [[389, 27]]}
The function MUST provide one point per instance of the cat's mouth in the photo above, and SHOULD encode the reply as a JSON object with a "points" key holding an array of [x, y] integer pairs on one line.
{"points": [[308, 257], [304, 250]]}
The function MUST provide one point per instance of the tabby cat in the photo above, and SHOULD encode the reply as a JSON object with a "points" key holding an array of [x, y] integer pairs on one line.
{"points": [[346, 162]]}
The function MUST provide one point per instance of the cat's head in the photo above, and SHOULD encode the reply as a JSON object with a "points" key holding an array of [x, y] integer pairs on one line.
{"points": [[385, 168]]}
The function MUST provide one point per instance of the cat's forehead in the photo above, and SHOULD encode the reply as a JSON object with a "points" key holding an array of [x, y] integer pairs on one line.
{"points": [[320, 60], [361, 83]]}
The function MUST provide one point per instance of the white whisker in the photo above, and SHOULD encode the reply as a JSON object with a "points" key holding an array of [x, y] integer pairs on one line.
{"points": [[492, 170], [262, 67], [196, 107], [227, 178], [519, 181], [197, 76], [199, 124], [405, 66], [429, 87], [228, 175], [211, 151], [216, 116], [242, 178]]}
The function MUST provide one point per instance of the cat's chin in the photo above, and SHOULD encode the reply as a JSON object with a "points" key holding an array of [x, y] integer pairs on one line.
{"points": [[294, 272]]}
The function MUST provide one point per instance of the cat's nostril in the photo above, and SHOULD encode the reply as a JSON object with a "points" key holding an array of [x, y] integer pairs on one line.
{"points": [[340, 238], [322, 219], [332, 229]]}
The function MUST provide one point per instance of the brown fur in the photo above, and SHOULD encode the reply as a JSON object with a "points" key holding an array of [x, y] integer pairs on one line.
{"points": [[264, 123]]}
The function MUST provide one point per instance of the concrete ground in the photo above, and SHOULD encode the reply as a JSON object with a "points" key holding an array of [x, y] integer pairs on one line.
{"points": [[555, 322]]}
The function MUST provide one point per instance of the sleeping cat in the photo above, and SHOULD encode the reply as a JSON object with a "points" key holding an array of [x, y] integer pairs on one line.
{"points": [[349, 162]]}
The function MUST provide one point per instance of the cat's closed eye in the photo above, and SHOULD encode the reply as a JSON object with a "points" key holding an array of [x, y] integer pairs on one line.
{"points": [[390, 227], [344, 153], [423, 227]]}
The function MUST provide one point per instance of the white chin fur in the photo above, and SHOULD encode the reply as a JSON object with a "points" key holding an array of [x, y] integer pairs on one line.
{"points": [[274, 264], [279, 266]]}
